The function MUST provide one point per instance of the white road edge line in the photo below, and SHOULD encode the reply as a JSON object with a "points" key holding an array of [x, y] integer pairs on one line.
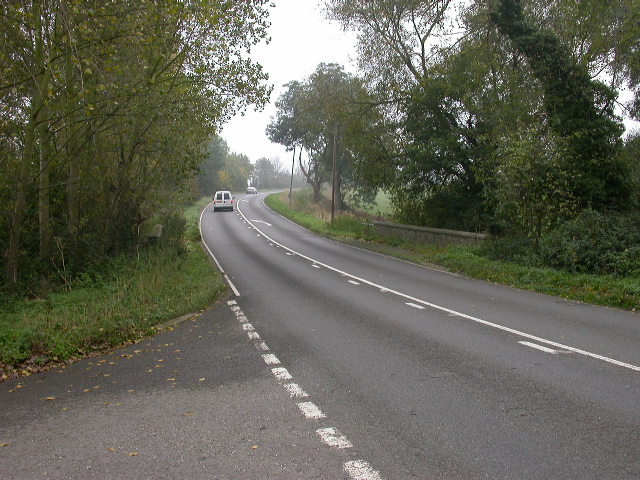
{"points": [[253, 335], [361, 470], [459, 314], [311, 410], [233, 287], [281, 373], [539, 347], [270, 359], [295, 391], [333, 438]]}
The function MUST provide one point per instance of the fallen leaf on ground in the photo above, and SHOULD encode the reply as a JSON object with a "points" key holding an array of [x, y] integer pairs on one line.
{"points": [[254, 447], [133, 454], [111, 449], [188, 414], [171, 379], [4, 444], [201, 379], [49, 398]]}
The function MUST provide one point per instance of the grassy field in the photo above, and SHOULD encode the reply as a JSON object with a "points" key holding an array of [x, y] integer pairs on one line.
{"points": [[608, 290], [121, 305]]}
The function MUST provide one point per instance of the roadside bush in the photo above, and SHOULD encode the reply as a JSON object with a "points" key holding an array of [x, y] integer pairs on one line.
{"points": [[15, 345], [520, 250], [595, 242], [351, 225]]}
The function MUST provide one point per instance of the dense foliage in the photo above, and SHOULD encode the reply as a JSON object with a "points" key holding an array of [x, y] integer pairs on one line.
{"points": [[106, 110], [222, 170], [326, 117]]}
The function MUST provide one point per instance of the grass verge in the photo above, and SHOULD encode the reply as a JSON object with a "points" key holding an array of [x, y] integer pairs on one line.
{"points": [[137, 293], [606, 290]]}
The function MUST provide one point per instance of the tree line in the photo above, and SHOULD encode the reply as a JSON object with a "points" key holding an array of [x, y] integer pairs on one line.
{"points": [[501, 116], [223, 169], [107, 109]]}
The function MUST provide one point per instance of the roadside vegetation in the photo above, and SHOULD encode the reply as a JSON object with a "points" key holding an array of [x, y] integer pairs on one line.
{"points": [[487, 262], [114, 303]]}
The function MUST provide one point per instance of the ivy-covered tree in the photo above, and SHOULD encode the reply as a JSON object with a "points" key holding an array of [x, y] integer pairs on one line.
{"points": [[579, 110]]}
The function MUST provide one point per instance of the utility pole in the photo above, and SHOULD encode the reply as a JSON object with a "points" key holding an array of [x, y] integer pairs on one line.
{"points": [[293, 164], [333, 182]]}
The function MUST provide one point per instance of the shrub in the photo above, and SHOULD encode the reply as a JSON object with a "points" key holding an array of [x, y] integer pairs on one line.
{"points": [[520, 250], [595, 242], [15, 345]]}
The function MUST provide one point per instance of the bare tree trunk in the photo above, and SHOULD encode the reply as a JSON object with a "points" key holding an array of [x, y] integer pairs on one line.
{"points": [[44, 218], [73, 207], [21, 201]]}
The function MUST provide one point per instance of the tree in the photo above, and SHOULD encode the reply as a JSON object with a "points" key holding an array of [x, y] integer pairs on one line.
{"points": [[323, 115], [268, 173], [579, 110], [108, 106]]}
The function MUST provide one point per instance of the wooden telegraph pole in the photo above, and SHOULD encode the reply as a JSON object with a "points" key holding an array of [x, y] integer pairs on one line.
{"points": [[293, 164], [333, 180]]}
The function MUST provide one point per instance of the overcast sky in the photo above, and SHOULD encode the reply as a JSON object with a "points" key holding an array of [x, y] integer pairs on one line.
{"points": [[301, 38]]}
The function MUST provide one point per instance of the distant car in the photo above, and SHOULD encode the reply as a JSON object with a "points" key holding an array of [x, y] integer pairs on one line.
{"points": [[252, 190], [223, 200]]}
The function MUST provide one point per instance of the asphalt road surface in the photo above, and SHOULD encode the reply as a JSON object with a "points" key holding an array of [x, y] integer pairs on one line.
{"points": [[331, 362], [430, 375]]}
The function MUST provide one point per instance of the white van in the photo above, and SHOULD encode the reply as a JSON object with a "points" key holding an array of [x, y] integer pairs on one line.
{"points": [[223, 200]]}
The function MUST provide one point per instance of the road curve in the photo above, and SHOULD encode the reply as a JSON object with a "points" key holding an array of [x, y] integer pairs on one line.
{"points": [[432, 375]]}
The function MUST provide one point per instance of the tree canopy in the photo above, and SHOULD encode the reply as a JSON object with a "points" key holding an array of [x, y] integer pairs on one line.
{"points": [[107, 108]]}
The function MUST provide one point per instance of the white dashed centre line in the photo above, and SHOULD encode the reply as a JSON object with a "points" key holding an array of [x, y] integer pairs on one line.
{"points": [[424, 303], [353, 282], [315, 266], [415, 305], [311, 410], [539, 347], [333, 438]]}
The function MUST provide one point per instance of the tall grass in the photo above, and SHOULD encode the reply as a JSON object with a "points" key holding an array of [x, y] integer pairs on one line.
{"points": [[141, 290]]}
